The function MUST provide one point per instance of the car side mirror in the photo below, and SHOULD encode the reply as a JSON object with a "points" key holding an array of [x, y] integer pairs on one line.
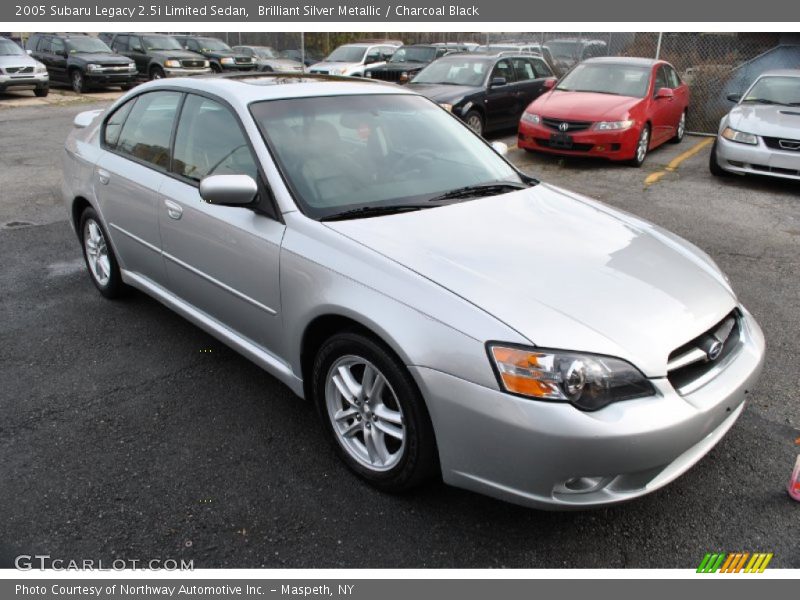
{"points": [[497, 82], [665, 94], [228, 190], [29, 51], [734, 97], [85, 118], [549, 83], [500, 147]]}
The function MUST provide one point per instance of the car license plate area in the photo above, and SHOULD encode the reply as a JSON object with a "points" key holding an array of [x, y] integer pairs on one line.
{"points": [[561, 140]]}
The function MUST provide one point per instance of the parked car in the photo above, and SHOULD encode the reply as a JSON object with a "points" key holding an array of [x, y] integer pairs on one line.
{"points": [[268, 60], [614, 108], [568, 52], [352, 59], [405, 63], [457, 46], [486, 91], [308, 57], [82, 61], [761, 134], [448, 314], [158, 55], [520, 48], [221, 56], [21, 72]]}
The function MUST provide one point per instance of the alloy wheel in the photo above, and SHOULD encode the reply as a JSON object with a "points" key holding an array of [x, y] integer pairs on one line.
{"points": [[641, 148], [94, 243]]}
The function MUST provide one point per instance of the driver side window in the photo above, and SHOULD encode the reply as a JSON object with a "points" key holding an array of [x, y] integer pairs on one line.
{"points": [[209, 141], [505, 70]]}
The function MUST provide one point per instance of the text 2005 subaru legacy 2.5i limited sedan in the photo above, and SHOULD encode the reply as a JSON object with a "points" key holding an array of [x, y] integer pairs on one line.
{"points": [[445, 312]]}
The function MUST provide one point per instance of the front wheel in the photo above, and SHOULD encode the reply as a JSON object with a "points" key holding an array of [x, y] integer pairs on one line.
{"points": [[642, 146], [99, 256], [156, 73], [713, 163], [41, 92], [680, 130], [373, 412], [474, 121], [216, 67], [78, 81]]}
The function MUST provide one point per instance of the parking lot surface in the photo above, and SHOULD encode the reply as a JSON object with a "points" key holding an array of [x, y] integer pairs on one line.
{"points": [[126, 432]]}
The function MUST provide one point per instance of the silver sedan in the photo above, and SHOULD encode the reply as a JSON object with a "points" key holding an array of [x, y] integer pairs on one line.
{"points": [[448, 315], [761, 134]]}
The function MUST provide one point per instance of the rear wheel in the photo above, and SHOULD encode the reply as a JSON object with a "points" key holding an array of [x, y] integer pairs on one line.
{"points": [[713, 163], [680, 130], [474, 121], [642, 146], [99, 256], [374, 413]]}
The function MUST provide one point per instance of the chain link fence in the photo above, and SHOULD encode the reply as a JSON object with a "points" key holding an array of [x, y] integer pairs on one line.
{"points": [[712, 64]]}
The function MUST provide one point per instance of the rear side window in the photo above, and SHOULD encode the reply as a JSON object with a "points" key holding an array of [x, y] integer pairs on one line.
{"points": [[672, 78], [57, 46], [523, 69], [540, 68], [146, 132], [209, 141], [120, 43], [114, 124], [505, 70]]}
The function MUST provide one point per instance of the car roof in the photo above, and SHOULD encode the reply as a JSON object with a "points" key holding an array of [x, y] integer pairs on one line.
{"points": [[625, 60], [781, 72]]}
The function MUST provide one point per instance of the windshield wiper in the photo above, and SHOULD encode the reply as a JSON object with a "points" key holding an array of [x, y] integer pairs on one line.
{"points": [[481, 189], [763, 101], [373, 211]]}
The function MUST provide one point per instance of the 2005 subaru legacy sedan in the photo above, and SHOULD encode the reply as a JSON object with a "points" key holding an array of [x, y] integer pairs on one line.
{"points": [[446, 313]]}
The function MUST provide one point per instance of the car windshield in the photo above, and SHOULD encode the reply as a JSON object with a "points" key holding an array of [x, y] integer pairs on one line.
{"points": [[160, 42], [417, 55], [9, 48], [347, 54], [563, 49], [461, 70], [342, 153], [264, 52], [617, 79], [774, 89], [213, 44], [86, 44]]}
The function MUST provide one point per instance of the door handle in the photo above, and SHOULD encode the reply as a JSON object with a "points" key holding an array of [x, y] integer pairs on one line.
{"points": [[104, 176], [174, 210]]}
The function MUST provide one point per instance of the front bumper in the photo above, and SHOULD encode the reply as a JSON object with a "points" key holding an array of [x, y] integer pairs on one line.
{"points": [[613, 145], [27, 81], [757, 160], [531, 453], [111, 78], [182, 72]]}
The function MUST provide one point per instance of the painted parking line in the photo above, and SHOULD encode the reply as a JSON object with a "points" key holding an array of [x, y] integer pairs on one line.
{"points": [[675, 162]]}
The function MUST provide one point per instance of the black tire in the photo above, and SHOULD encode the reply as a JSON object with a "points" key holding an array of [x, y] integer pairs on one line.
{"points": [[638, 159], [419, 461], [127, 86], [713, 163], [77, 81], [680, 133], [114, 287], [216, 68], [41, 92], [156, 72], [474, 121]]}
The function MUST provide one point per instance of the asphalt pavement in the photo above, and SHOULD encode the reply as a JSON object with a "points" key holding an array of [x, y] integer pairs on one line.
{"points": [[126, 432]]}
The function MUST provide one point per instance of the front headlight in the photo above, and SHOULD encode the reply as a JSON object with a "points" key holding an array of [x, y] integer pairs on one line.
{"points": [[587, 381], [368, 74], [530, 118], [172, 63], [206, 64], [739, 136], [131, 66], [40, 68], [614, 125], [446, 106], [227, 60], [93, 67]]}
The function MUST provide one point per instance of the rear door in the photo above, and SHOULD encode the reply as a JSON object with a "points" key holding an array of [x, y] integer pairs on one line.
{"points": [[129, 174], [223, 260]]}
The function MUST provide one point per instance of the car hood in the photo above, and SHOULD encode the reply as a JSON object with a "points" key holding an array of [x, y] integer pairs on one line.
{"points": [[442, 92], [281, 63], [765, 119], [562, 270], [178, 54], [400, 66], [18, 60], [583, 106], [103, 58]]}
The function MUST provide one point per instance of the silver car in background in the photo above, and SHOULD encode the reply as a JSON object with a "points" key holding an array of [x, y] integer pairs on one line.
{"points": [[18, 71], [761, 135], [448, 315]]}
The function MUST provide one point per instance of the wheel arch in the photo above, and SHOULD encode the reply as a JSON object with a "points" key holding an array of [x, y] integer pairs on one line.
{"points": [[79, 204]]}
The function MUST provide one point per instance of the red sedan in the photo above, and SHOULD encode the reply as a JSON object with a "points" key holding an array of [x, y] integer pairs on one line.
{"points": [[616, 108]]}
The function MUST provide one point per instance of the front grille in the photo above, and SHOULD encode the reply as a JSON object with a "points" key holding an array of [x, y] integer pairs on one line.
{"points": [[115, 68], [571, 125], [321, 72], [692, 361], [243, 61], [544, 142], [385, 75], [782, 144], [19, 70], [192, 64]]}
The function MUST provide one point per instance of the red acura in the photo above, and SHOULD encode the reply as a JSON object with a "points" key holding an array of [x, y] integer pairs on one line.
{"points": [[617, 108]]}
